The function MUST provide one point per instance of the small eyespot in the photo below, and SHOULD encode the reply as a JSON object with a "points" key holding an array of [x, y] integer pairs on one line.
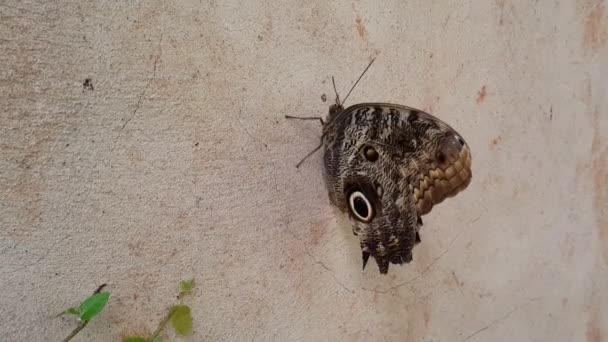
{"points": [[460, 140], [370, 153], [440, 158], [360, 207]]}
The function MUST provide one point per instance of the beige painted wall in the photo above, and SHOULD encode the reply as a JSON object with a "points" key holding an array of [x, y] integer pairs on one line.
{"points": [[176, 162]]}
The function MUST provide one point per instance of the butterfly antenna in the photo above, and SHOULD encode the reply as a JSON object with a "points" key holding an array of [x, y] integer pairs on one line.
{"points": [[358, 79], [335, 91]]}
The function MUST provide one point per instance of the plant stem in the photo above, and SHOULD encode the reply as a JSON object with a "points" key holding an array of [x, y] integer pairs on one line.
{"points": [[76, 331], [162, 325], [99, 288]]}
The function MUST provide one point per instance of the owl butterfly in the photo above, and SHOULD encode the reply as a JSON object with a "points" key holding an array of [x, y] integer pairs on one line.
{"points": [[386, 165]]}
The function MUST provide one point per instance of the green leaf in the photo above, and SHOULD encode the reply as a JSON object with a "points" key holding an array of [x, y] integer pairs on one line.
{"points": [[185, 287], [93, 305], [156, 339], [134, 339], [181, 319]]}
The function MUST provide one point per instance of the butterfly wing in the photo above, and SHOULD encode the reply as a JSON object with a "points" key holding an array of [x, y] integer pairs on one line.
{"points": [[387, 165], [363, 179]]}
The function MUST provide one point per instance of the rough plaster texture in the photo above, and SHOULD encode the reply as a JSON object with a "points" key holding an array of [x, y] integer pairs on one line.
{"points": [[174, 161]]}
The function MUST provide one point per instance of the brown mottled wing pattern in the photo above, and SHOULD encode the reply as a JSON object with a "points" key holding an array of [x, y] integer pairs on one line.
{"points": [[386, 165]]}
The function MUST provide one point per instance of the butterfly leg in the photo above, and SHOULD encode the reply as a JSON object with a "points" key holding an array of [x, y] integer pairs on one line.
{"points": [[309, 154], [306, 118]]}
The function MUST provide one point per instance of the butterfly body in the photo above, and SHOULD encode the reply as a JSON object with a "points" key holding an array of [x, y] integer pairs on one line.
{"points": [[386, 165]]}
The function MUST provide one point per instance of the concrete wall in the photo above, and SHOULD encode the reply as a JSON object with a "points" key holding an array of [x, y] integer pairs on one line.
{"points": [[174, 161]]}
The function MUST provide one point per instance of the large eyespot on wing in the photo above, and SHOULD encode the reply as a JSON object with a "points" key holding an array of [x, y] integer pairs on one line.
{"points": [[360, 207], [362, 200]]}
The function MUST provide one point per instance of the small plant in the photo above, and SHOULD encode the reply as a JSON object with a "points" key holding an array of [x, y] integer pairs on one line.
{"points": [[179, 315], [87, 310]]}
